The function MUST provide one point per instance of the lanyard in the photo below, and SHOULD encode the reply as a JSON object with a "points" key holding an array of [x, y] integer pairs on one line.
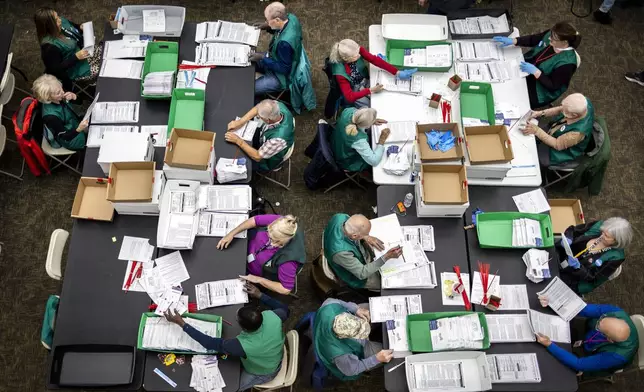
{"points": [[541, 59], [267, 245], [591, 247], [592, 339]]}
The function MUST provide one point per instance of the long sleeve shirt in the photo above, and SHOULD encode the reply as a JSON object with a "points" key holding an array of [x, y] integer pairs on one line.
{"points": [[345, 86], [233, 346], [283, 63], [53, 59], [348, 261], [372, 157], [57, 127]]}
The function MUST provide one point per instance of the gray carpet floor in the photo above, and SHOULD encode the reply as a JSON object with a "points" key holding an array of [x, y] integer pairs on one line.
{"points": [[32, 209]]}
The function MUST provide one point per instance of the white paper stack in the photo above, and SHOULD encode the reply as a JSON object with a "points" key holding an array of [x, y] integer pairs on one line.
{"points": [[122, 69], [477, 51], [392, 83], [532, 202], [399, 131], [178, 218], [526, 232], [225, 198], [206, 376], [220, 293], [229, 170], [480, 25], [537, 267], [393, 311], [96, 132], [430, 56], [193, 78], [154, 21], [562, 299], [247, 131], [115, 112], [462, 332], [160, 334], [490, 71], [514, 368], [158, 83], [88, 37], [411, 270], [136, 248], [223, 54], [423, 235], [124, 49], [216, 224], [221, 31]]}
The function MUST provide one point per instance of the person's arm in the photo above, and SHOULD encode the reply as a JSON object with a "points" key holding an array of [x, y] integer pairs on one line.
{"points": [[57, 127], [590, 273], [248, 150], [361, 271], [245, 225], [271, 285], [251, 114], [351, 365], [377, 61], [530, 40], [596, 310], [351, 307], [558, 78], [347, 92], [280, 309], [591, 363], [283, 63], [54, 61], [271, 147], [372, 157], [562, 142], [224, 346]]}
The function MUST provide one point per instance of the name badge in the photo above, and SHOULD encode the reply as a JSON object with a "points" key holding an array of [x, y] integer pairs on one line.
{"points": [[540, 43], [599, 262], [250, 258], [563, 128]]}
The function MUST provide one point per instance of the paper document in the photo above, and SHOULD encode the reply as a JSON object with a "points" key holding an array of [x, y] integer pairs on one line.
{"points": [[424, 235], [556, 328], [492, 71], [122, 69], [221, 31], [386, 229], [154, 21], [247, 131], [206, 376], [215, 224], [136, 248], [413, 256], [420, 276], [533, 202], [461, 332], [494, 283], [562, 299], [480, 25], [88, 37], [172, 268], [526, 232], [123, 49], [477, 51], [183, 202], [509, 328], [171, 300], [513, 368], [399, 131], [450, 296], [96, 132], [397, 336], [193, 78], [160, 334], [180, 230], [441, 376], [152, 283], [158, 83], [88, 113], [537, 267], [225, 198], [115, 112], [394, 307], [514, 297], [220, 293], [222, 54], [159, 133], [393, 84], [438, 55], [229, 170]]}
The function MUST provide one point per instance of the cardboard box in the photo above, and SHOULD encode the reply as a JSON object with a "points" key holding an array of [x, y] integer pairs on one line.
{"points": [[90, 202], [565, 213], [179, 173], [144, 208], [489, 144], [454, 82], [429, 155], [444, 184], [189, 149], [490, 171], [437, 210], [130, 181], [124, 147]]}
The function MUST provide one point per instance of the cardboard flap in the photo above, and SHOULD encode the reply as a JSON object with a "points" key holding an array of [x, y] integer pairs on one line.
{"points": [[90, 201], [488, 144], [130, 181], [565, 213], [429, 155], [444, 184], [189, 149]]}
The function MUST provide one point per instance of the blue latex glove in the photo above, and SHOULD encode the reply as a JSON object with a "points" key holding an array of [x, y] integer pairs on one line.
{"points": [[573, 262], [503, 41], [528, 68], [446, 142], [475, 213], [382, 56], [406, 74], [433, 138], [564, 238]]}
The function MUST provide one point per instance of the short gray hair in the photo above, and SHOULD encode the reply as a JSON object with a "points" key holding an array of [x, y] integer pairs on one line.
{"points": [[620, 229], [344, 51], [44, 87], [269, 109], [276, 10]]}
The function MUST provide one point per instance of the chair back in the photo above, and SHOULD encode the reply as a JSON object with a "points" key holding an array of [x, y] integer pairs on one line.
{"points": [[55, 253], [6, 72], [324, 134], [293, 340], [615, 274], [638, 320], [3, 138], [578, 59], [326, 268]]}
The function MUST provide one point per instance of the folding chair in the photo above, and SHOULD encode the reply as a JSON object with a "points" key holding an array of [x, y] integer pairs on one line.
{"points": [[325, 147], [285, 378], [286, 160], [8, 85], [55, 153], [55, 253], [334, 100], [79, 88], [3, 143]]}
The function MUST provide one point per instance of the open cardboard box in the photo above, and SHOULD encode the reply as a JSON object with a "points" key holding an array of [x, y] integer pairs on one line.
{"points": [[429, 155], [444, 184], [488, 144], [189, 149], [565, 213], [90, 202], [130, 181]]}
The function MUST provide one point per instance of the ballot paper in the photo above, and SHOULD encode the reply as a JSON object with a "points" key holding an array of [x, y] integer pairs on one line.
{"points": [[399, 131], [526, 232], [491, 71], [88, 37], [154, 21], [421, 276], [161, 334], [183, 202], [415, 57], [225, 198], [480, 25], [461, 332], [441, 376], [169, 300], [124, 49], [413, 257], [477, 51], [115, 112], [172, 268], [386, 229], [136, 248], [494, 283], [562, 299], [180, 230], [132, 276], [158, 83], [159, 133], [451, 297], [229, 170], [192, 78], [514, 297], [537, 267], [221, 31], [220, 293], [152, 283], [216, 224], [533, 202], [96, 132], [394, 84], [394, 307], [223, 54], [424, 235], [513, 368], [397, 337], [247, 131], [122, 69], [509, 328], [438, 56], [206, 376], [554, 327]]}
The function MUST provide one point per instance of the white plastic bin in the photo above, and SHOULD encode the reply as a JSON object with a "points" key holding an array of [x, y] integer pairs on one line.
{"points": [[130, 20]]}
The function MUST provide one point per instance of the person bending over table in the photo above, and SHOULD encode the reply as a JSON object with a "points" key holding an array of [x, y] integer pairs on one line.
{"points": [[276, 251], [348, 250], [260, 344], [349, 65], [600, 246], [350, 141], [277, 65], [63, 127], [273, 140], [569, 132], [61, 48], [609, 341], [551, 62]]}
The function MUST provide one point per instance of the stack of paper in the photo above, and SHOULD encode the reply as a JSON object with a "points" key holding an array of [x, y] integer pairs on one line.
{"points": [[115, 112], [430, 56], [509, 328], [158, 83], [122, 69], [206, 376], [221, 31], [514, 297], [439, 376], [477, 51], [136, 249], [154, 21], [556, 328], [96, 132], [513, 368], [220, 293], [215, 224], [411, 270], [450, 296], [491, 71], [537, 267], [193, 78], [393, 310], [183, 205], [480, 25], [160, 334], [526, 232], [462, 332], [225, 198], [159, 133], [562, 299], [88, 37], [387, 229], [124, 49], [229, 170], [399, 131], [423, 235], [247, 131], [232, 55], [392, 83], [532, 202]]}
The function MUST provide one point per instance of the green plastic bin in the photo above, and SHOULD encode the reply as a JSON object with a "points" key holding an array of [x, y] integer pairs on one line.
{"points": [[418, 329], [494, 229], [396, 52], [197, 316], [160, 57], [477, 101], [187, 109]]}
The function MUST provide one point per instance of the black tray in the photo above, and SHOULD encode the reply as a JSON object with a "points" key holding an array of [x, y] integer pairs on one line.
{"points": [[93, 365], [475, 12]]}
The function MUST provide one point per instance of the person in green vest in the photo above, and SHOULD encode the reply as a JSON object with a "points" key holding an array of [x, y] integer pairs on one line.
{"points": [[279, 63], [276, 251], [61, 48], [340, 334], [350, 142], [598, 251], [63, 127], [260, 345], [272, 141], [348, 248], [569, 133], [551, 62], [608, 343]]}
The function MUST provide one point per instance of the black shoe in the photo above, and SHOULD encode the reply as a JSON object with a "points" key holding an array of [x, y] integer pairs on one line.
{"points": [[635, 77], [602, 17]]}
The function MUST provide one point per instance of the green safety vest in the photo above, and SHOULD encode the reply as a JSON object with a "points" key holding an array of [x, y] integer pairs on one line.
{"points": [[264, 347], [70, 121], [346, 156], [613, 254], [338, 69], [562, 58], [328, 346], [584, 126], [293, 251], [292, 35], [626, 349], [284, 130], [335, 241], [68, 46]]}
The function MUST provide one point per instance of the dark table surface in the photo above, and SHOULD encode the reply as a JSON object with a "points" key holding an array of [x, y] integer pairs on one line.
{"points": [[450, 251], [6, 35]]}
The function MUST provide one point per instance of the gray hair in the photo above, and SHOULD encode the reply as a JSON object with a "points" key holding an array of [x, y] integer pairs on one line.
{"points": [[575, 104], [362, 118], [276, 10], [620, 229], [45, 86], [269, 109], [344, 51], [357, 224]]}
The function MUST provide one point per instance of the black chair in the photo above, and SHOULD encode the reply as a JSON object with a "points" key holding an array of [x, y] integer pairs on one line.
{"points": [[334, 99], [324, 133]]}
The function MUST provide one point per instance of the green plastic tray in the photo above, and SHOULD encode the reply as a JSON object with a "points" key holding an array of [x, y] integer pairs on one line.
{"points": [[187, 109], [160, 57], [197, 316], [396, 53], [494, 229], [477, 101], [418, 329]]}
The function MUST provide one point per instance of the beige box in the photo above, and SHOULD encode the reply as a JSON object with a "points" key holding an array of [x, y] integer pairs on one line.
{"points": [[90, 202], [130, 181], [429, 155], [489, 144], [189, 149], [565, 213], [444, 184]]}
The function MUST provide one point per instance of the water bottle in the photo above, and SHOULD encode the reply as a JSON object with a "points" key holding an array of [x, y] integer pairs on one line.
{"points": [[409, 198]]}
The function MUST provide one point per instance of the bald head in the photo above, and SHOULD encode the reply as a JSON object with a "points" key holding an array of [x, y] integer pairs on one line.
{"points": [[276, 16], [357, 227], [575, 106], [615, 329]]}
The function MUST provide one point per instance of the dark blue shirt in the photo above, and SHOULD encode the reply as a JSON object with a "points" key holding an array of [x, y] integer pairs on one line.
{"points": [[284, 61]]}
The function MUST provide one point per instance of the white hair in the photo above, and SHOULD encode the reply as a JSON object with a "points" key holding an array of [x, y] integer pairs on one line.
{"points": [[269, 109], [357, 224], [282, 229], [45, 86], [362, 118], [575, 104], [344, 51], [275, 10], [620, 229]]}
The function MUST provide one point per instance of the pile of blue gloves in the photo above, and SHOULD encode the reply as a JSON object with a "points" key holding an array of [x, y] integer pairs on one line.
{"points": [[440, 140]]}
